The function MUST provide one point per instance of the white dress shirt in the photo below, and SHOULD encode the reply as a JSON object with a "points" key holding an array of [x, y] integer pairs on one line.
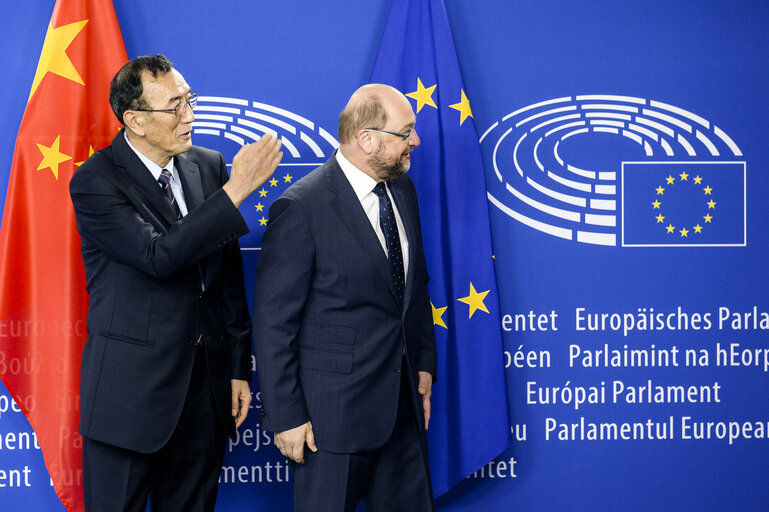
{"points": [[363, 185], [155, 169]]}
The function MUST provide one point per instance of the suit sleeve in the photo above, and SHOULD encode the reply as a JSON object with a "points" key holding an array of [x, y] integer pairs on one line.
{"points": [[235, 315], [283, 282], [111, 220], [427, 356]]}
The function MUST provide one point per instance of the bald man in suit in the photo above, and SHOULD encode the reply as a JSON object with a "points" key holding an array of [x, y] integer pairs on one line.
{"points": [[342, 319]]}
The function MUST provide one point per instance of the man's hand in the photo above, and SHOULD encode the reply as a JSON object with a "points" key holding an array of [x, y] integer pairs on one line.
{"points": [[241, 399], [251, 167], [291, 442], [425, 389]]}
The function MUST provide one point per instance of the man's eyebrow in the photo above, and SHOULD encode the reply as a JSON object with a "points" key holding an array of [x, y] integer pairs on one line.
{"points": [[178, 97]]}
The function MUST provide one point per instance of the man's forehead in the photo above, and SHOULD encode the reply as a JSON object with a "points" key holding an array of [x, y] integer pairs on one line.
{"points": [[402, 115], [166, 86]]}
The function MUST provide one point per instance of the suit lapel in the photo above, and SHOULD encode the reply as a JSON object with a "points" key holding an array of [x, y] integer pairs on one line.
{"points": [[139, 175], [408, 219], [192, 185], [191, 181], [349, 210]]}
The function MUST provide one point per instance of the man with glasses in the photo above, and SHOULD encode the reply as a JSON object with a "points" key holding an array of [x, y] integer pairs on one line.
{"points": [[165, 369], [343, 327]]}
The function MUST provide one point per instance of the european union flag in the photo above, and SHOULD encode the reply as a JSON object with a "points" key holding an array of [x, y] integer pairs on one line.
{"points": [[683, 204], [470, 424]]}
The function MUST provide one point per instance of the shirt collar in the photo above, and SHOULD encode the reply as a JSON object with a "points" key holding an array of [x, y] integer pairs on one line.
{"points": [[362, 183], [154, 168]]}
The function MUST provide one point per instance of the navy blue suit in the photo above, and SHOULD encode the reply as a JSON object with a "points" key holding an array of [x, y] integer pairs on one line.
{"points": [[147, 307], [331, 336]]}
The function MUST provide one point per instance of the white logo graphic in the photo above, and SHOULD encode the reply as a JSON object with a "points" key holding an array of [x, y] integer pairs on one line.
{"points": [[559, 165], [226, 124], [242, 121]]}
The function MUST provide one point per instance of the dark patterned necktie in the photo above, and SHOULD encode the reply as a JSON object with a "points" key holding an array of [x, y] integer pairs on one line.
{"points": [[165, 183], [390, 230]]}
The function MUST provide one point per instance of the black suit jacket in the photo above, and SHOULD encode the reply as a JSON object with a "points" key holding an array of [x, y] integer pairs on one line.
{"points": [[147, 306], [329, 330]]}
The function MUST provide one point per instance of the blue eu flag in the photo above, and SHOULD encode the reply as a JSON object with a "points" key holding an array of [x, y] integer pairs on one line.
{"points": [[683, 204], [469, 425]]}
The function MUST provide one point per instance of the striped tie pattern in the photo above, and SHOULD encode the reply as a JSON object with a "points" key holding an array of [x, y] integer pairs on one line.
{"points": [[165, 183]]}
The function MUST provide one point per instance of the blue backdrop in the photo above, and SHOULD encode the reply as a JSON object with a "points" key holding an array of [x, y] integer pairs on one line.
{"points": [[637, 372]]}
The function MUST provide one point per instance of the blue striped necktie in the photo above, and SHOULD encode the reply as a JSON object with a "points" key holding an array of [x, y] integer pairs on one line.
{"points": [[165, 183]]}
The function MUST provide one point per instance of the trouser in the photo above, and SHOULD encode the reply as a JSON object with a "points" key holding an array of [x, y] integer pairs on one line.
{"points": [[180, 477], [392, 478]]}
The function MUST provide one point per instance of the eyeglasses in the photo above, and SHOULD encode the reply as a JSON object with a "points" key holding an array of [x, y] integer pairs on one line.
{"points": [[179, 110], [403, 135]]}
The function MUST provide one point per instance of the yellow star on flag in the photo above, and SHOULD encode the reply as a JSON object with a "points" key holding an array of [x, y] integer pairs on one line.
{"points": [[698, 229], [708, 217], [53, 58], [52, 157], [708, 191], [91, 151], [262, 193], [259, 207], [671, 228], [711, 204], [660, 191], [660, 218], [475, 300], [438, 315], [684, 176], [464, 108], [697, 180], [273, 182], [262, 221], [656, 205], [684, 232], [287, 178], [670, 180], [424, 96]]}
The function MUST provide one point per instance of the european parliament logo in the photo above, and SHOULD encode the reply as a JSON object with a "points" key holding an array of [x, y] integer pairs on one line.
{"points": [[226, 124], [618, 171]]}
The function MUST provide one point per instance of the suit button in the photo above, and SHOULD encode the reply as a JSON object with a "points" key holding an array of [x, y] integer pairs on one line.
{"points": [[397, 369]]}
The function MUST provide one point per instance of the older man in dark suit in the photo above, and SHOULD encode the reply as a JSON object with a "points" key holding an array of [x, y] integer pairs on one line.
{"points": [[343, 325], [165, 369]]}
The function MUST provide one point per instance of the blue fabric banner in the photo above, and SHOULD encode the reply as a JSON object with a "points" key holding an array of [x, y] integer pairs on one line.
{"points": [[469, 425]]}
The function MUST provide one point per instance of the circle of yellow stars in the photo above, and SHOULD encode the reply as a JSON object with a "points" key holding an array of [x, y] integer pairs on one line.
{"points": [[265, 190], [683, 231]]}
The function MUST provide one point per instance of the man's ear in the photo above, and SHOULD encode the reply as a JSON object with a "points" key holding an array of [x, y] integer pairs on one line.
{"points": [[134, 121], [366, 141]]}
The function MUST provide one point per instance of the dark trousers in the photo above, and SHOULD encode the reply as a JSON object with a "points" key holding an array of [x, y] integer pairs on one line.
{"points": [[393, 478], [181, 476]]}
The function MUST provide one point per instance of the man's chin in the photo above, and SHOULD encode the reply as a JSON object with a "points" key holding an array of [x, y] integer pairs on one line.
{"points": [[393, 172], [184, 145]]}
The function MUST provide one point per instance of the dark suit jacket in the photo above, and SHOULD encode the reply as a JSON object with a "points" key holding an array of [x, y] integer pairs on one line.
{"points": [[146, 305], [329, 330]]}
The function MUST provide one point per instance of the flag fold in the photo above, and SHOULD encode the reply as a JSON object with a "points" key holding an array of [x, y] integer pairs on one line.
{"points": [[470, 424], [43, 302]]}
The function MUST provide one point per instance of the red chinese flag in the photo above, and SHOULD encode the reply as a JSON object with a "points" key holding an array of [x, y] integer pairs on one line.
{"points": [[43, 302]]}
